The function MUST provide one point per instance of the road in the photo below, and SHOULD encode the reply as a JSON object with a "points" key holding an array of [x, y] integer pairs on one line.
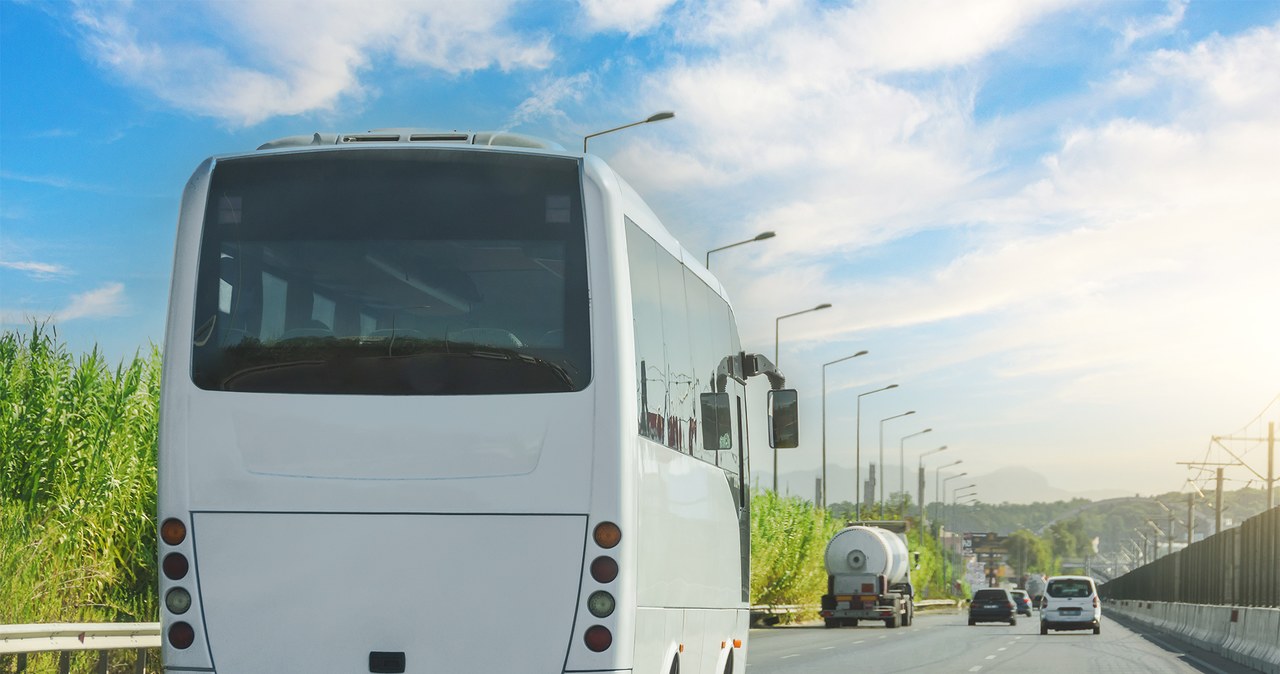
{"points": [[945, 643]]}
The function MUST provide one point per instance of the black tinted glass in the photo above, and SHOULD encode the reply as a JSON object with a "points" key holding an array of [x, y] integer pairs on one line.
{"points": [[393, 272], [1063, 589]]}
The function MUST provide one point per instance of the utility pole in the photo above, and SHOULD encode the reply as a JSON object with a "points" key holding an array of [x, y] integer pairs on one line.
{"points": [[1191, 511], [1271, 459], [1218, 491], [1217, 505]]}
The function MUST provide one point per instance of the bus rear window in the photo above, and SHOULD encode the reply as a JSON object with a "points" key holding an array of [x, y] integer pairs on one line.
{"points": [[393, 272]]}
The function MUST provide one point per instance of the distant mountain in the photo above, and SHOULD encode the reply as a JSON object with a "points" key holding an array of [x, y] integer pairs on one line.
{"points": [[1016, 485], [1023, 485]]}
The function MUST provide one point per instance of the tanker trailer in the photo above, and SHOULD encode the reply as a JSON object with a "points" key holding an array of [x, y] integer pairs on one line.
{"points": [[868, 576]]}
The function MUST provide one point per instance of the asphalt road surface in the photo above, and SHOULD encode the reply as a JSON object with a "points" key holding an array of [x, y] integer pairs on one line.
{"points": [[943, 642]]}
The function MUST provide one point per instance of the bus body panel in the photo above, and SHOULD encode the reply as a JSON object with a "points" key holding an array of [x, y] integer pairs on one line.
{"points": [[430, 586], [700, 567], [387, 454]]}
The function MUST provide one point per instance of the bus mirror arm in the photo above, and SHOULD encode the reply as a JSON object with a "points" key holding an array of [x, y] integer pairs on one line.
{"points": [[745, 365]]}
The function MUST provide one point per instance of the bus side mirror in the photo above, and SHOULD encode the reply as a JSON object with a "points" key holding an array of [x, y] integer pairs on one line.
{"points": [[917, 554], [716, 422], [784, 419]]}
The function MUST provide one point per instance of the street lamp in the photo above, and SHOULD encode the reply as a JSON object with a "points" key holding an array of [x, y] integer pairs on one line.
{"points": [[943, 501], [884, 474], [656, 117], [920, 491], [779, 320], [824, 420], [902, 475], [759, 237], [857, 441], [775, 364], [936, 483]]}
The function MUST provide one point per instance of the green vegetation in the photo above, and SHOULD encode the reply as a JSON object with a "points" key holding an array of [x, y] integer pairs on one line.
{"points": [[77, 483], [788, 537]]}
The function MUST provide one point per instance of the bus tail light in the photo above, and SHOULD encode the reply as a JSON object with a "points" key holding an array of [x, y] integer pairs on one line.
{"points": [[598, 638], [177, 600], [604, 569], [173, 531], [175, 566], [607, 535], [601, 604], [181, 635]]}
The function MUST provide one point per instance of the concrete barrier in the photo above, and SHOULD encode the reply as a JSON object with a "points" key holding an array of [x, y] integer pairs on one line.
{"points": [[1252, 639]]}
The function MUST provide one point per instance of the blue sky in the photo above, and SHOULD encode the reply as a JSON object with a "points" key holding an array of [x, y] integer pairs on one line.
{"points": [[1052, 222]]}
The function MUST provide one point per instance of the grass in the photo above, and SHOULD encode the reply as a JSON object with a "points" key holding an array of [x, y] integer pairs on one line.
{"points": [[77, 483]]}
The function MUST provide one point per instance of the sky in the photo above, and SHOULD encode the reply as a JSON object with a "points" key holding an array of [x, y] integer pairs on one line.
{"points": [[1053, 223]]}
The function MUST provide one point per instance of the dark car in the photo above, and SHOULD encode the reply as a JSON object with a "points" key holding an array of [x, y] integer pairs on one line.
{"points": [[1023, 602], [992, 605]]}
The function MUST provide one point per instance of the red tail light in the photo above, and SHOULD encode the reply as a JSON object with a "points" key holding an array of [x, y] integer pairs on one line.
{"points": [[598, 638], [175, 566], [181, 635], [1095, 601]]}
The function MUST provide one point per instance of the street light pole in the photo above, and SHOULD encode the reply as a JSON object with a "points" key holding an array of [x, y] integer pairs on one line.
{"points": [[920, 491], [656, 117], [902, 460], [759, 237], [824, 421], [937, 473], [775, 364], [778, 320], [857, 441], [884, 473]]}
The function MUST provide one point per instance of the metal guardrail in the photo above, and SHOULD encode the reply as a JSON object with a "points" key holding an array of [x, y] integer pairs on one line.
{"points": [[771, 614], [66, 638]]}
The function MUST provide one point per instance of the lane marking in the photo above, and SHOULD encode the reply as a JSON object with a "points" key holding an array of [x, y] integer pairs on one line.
{"points": [[827, 648], [1002, 649], [991, 657], [860, 642], [974, 669], [793, 655]]}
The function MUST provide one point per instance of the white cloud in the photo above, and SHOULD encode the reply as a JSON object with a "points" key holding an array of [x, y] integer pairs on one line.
{"points": [[547, 99], [633, 17], [1136, 30], [39, 270], [288, 56], [104, 302]]}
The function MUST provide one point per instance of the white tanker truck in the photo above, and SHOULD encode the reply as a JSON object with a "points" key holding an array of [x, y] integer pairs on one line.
{"points": [[869, 576]]}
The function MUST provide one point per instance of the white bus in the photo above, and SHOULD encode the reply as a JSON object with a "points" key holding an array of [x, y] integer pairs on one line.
{"points": [[448, 403]]}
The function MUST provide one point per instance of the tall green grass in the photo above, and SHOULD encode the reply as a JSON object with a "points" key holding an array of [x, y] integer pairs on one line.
{"points": [[77, 483], [788, 538]]}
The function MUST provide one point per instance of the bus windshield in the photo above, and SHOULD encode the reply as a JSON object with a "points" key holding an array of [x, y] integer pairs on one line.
{"points": [[393, 272]]}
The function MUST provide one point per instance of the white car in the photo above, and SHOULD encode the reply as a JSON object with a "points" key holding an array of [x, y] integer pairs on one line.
{"points": [[1070, 603]]}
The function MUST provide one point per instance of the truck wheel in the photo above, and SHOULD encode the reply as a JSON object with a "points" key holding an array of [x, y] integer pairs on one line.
{"points": [[972, 622], [1097, 628], [1044, 629], [1013, 622], [911, 616], [831, 622]]}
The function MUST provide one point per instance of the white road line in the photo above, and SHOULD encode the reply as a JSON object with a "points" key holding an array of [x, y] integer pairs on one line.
{"points": [[827, 648], [974, 669], [860, 642], [1002, 649], [793, 655], [991, 657]]}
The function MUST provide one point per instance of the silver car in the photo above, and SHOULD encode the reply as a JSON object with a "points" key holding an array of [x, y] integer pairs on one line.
{"points": [[1070, 603]]}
